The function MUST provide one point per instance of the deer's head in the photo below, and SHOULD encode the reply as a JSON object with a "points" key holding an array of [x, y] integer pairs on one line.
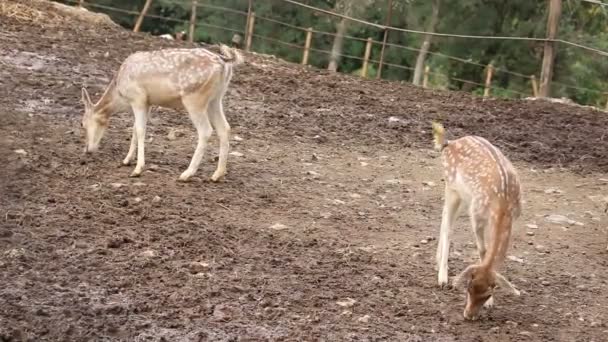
{"points": [[479, 284], [94, 123]]}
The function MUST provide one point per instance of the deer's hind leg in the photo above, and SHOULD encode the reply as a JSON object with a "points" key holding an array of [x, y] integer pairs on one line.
{"points": [[197, 106], [221, 126]]}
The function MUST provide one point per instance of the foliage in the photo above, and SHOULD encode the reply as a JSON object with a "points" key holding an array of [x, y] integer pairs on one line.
{"points": [[581, 22]]}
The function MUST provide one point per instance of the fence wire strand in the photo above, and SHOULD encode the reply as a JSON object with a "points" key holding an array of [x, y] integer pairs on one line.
{"points": [[382, 27]]}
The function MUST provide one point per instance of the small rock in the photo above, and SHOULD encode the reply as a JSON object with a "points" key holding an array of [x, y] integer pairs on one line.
{"points": [[320, 138], [516, 259], [559, 219], [236, 154], [138, 199], [314, 157], [424, 241], [393, 119], [494, 330], [278, 226], [237, 138], [139, 184], [393, 181], [540, 248], [198, 267], [545, 283], [429, 183], [553, 191], [346, 313], [346, 303], [364, 319], [117, 242], [337, 201], [148, 253], [364, 164], [532, 226], [173, 134], [525, 333], [314, 174], [221, 313], [355, 195], [21, 152], [15, 253], [530, 233], [534, 325], [117, 185], [153, 167]]}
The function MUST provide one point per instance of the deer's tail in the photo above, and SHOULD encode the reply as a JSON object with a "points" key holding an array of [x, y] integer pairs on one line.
{"points": [[439, 136]]}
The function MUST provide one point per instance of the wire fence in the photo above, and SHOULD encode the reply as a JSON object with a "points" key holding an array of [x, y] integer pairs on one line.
{"points": [[531, 79]]}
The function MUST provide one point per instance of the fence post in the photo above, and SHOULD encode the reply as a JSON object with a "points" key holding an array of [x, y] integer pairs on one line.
{"points": [[425, 78], [192, 21], [489, 72], [389, 14], [546, 73], [140, 19], [534, 85], [250, 22], [307, 46], [368, 51]]}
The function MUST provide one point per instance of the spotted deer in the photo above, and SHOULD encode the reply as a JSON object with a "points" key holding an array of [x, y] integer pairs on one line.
{"points": [[191, 79], [478, 177]]}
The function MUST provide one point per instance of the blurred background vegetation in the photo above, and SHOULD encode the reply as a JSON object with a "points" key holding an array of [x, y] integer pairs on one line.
{"points": [[581, 22]]}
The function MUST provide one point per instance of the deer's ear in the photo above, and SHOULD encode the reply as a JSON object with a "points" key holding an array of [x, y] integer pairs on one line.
{"points": [[503, 282], [86, 99], [464, 277]]}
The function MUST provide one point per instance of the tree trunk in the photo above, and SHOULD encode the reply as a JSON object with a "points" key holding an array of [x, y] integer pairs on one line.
{"points": [[336, 49], [426, 44], [546, 73]]}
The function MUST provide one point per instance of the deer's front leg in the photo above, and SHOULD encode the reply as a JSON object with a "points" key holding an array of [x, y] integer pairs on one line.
{"points": [[131, 154], [141, 118], [450, 211]]}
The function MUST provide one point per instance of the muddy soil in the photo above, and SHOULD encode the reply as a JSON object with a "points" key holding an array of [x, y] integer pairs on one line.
{"points": [[324, 229]]}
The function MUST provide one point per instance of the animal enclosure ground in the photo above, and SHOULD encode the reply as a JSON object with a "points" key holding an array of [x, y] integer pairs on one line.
{"points": [[324, 228]]}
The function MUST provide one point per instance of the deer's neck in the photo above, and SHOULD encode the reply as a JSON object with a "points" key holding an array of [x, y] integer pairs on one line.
{"points": [[499, 242], [109, 102]]}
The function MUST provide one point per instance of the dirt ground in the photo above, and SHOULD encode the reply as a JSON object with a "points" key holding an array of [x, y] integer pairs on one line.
{"points": [[324, 229]]}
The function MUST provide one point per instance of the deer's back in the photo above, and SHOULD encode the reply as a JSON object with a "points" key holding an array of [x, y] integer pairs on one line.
{"points": [[475, 166], [168, 73]]}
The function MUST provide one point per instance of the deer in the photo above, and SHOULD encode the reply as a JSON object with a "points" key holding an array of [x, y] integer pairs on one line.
{"points": [[479, 177], [194, 79]]}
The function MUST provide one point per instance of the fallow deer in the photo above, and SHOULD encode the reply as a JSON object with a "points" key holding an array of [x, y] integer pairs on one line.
{"points": [[480, 177], [191, 79]]}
